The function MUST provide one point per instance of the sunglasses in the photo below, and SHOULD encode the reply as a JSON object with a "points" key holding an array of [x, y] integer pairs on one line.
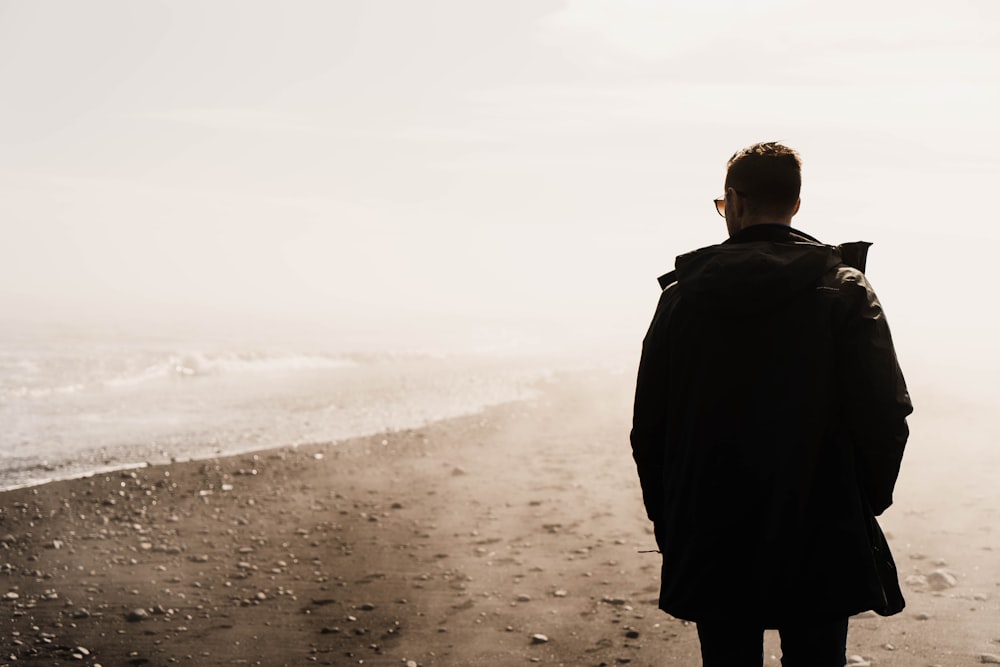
{"points": [[720, 204]]}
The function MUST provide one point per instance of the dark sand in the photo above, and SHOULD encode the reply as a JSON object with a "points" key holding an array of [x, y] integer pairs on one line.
{"points": [[454, 544]]}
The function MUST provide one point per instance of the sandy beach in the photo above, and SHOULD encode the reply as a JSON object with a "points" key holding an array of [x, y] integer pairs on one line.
{"points": [[508, 537]]}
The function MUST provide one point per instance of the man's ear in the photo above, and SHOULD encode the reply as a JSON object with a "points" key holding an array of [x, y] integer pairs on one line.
{"points": [[798, 202], [733, 199]]}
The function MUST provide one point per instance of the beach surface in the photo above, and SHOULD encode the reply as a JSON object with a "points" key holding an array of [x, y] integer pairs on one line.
{"points": [[513, 536]]}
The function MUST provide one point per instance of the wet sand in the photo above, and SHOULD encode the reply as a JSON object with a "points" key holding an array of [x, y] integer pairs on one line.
{"points": [[508, 537]]}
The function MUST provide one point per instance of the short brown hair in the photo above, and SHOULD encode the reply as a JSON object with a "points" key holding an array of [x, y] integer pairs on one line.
{"points": [[768, 174]]}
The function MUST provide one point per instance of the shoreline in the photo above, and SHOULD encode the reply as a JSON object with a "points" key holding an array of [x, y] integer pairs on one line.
{"points": [[310, 408], [255, 451], [506, 537]]}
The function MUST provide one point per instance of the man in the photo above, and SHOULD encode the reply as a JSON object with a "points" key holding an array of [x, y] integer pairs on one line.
{"points": [[769, 426]]}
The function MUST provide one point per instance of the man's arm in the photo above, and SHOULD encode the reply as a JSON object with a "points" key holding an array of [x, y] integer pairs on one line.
{"points": [[876, 402], [649, 411]]}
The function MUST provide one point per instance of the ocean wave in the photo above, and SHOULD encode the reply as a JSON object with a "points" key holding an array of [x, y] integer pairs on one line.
{"points": [[40, 392], [118, 369], [198, 364]]}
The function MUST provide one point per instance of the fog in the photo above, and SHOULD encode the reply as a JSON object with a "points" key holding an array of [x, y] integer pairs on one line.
{"points": [[227, 225], [445, 173]]}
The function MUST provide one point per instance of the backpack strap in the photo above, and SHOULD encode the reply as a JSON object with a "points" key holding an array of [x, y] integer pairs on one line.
{"points": [[854, 254], [667, 279]]}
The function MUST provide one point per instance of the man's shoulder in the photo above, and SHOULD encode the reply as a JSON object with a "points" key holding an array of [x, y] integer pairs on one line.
{"points": [[844, 276], [852, 256]]}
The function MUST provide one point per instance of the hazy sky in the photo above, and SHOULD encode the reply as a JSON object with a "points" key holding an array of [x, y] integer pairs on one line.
{"points": [[481, 164]]}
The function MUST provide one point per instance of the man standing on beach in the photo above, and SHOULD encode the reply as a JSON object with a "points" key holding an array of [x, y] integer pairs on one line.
{"points": [[769, 426]]}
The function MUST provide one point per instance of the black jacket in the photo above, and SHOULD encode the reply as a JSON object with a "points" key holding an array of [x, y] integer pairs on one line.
{"points": [[769, 423]]}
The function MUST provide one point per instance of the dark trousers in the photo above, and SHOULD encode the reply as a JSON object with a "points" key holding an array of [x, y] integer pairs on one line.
{"points": [[806, 644]]}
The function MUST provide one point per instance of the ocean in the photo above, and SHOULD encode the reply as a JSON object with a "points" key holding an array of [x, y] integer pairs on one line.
{"points": [[73, 405]]}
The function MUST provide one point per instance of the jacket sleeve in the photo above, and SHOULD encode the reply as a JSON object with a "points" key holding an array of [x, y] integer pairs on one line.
{"points": [[876, 402], [649, 411]]}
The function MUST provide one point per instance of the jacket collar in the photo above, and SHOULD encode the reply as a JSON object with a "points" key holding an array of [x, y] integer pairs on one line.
{"points": [[773, 232], [853, 254]]}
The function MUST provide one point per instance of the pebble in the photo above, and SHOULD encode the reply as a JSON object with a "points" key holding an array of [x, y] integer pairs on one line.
{"points": [[940, 580], [539, 639], [524, 597], [858, 661], [989, 659], [560, 593], [137, 614], [11, 596]]}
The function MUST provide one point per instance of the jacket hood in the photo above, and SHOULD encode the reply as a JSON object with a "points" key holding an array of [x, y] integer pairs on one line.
{"points": [[758, 269]]}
